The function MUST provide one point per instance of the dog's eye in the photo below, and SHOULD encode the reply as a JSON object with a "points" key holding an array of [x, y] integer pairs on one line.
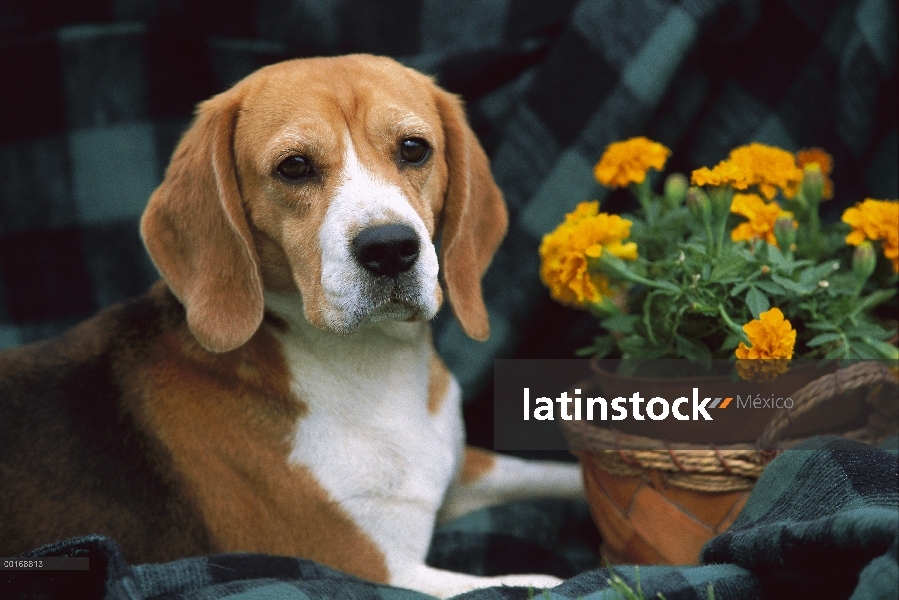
{"points": [[295, 167], [414, 150]]}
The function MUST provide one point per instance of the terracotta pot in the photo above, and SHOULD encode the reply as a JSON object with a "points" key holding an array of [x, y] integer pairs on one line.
{"points": [[657, 502], [644, 520]]}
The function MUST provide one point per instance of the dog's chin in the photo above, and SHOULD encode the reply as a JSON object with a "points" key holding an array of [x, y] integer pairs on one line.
{"points": [[392, 311], [387, 311]]}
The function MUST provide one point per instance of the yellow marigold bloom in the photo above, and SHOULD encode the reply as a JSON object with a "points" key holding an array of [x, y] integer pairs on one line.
{"points": [[772, 337], [584, 210], [768, 168], [627, 162], [817, 156], [585, 233], [762, 217], [875, 220], [724, 173]]}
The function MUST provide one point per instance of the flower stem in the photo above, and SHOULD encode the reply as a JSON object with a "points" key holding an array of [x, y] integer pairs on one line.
{"points": [[615, 267], [644, 194], [721, 198], [733, 326]]}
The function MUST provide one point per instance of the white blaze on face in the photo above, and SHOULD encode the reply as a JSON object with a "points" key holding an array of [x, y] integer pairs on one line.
{"points": [[353, 295]]}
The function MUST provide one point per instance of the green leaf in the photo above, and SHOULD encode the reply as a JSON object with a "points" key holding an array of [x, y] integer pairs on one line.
{"points": [[620, 323], [727, 266], [868, 330], [636, 346], [602, 347], [692, 349], [743, 252], [873, 299], [791, 285], [757, 302], [730, 342], [864, 351], [770, 287], [737, 289], [884, 349], [775, 257], [821, 326], [838, 352], [824, 338], [812, 275]]}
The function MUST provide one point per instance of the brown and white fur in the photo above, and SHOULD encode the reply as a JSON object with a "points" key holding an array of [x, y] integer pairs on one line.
{"points": [[272, 393]]}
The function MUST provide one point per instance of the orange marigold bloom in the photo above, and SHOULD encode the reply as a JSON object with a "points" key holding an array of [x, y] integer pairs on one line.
{"points": [[817, 156], [724, 173], [771, 336], [586, 232], [769, 168], [875, 220], [762, 217], [627, 162]]}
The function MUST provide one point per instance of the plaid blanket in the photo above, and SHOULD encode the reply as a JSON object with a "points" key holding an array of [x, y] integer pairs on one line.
{"points": [[97, 93], [822, 522]]}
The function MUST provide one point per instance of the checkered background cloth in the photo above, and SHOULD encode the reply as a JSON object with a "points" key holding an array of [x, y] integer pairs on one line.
{"points": [[96, 93], [822, 522]]}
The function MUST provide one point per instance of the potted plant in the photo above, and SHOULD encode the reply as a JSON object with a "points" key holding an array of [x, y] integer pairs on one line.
{"points": [[732, 263]]}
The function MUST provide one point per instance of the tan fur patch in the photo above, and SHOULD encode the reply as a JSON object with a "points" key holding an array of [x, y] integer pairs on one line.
{"points": [[227, 419], [478, 462], [438, 383]]}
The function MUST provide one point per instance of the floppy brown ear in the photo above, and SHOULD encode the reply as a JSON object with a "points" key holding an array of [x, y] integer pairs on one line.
{"points": [[474, 219], [196, 232]]}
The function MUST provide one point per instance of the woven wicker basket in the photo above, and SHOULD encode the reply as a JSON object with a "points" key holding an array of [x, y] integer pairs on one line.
{"points": [[659, 502]]}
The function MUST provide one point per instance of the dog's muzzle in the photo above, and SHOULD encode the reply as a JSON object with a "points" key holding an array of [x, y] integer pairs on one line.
{"points": [[386, 249]]}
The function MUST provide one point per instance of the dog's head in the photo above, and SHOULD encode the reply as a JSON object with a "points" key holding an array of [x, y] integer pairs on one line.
{"points": [[332, 177]]}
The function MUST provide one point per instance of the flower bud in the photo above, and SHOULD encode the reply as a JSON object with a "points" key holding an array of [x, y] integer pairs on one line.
{"points": [[864, 260], [721, 197], [676, 187], [813, 183], [699, 204], [785, 233]]}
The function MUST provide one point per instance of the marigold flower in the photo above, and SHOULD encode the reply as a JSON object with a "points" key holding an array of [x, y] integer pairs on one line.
{"points": [[772, 337], [762, 218], [875, 220], [627, 162], [817, 156], [585, 233], [724, 173], [768, 168]]}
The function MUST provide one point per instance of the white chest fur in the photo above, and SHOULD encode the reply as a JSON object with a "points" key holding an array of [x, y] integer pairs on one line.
{"points": [[368, 436]]}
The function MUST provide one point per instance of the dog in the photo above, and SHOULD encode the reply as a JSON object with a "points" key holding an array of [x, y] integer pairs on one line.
{"points": [[278, 390]]}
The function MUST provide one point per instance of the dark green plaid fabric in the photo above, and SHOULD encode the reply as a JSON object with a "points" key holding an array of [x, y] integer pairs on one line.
{"points": [[822, 522], [96, 94]]}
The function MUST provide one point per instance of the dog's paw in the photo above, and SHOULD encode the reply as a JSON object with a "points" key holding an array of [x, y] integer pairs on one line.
{"points": [[538, 582], [445, 584]]}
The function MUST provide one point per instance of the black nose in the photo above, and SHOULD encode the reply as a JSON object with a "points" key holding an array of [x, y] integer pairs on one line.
{"points": [[386, 249]]}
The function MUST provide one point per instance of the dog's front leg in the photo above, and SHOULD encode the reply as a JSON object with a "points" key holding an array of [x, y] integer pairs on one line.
{"points": [[488, 478]]}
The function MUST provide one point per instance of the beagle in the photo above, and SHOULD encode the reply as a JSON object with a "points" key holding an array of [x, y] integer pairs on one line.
{"points": [[278, 391]]}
